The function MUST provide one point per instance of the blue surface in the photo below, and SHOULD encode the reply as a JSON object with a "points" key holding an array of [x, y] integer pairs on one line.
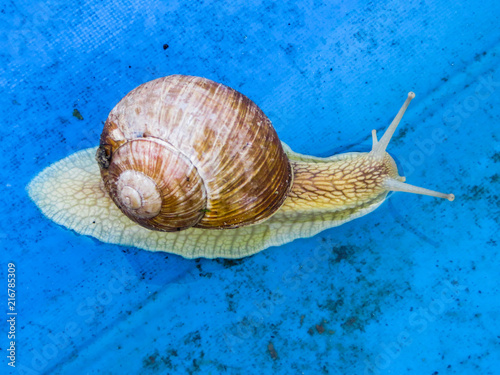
{"points": [[410, 288]]}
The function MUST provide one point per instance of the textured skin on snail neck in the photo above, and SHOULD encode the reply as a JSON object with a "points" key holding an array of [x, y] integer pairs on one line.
{"points": [[344, 185]]}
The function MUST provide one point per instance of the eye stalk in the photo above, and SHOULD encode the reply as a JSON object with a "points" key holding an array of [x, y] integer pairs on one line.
{"points": [[379, 150]]}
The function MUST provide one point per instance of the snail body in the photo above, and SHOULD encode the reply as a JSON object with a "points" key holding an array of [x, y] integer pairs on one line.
{"points": [[191, 156]]}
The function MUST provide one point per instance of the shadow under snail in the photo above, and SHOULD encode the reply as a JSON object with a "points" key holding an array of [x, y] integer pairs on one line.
{"points": [[192, 167]]}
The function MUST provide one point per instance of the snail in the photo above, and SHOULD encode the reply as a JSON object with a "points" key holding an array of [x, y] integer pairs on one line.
{"points": [[192, 167]]}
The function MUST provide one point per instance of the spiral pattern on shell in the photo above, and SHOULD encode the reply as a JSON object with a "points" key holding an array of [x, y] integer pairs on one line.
{"points": [[184, 151]]}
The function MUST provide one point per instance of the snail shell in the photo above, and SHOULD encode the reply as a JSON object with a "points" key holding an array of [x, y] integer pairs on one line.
{"points": [[183, 151]]}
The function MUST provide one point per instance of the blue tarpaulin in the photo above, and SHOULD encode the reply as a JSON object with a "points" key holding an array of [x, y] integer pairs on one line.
{"points": [[410, 288]]}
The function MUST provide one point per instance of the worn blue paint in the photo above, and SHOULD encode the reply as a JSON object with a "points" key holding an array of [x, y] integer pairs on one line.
{"points": [[411, 288]]}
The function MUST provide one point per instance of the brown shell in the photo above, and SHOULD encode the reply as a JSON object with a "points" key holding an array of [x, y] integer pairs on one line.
{"points": [[226, 140], [177, 184]]}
